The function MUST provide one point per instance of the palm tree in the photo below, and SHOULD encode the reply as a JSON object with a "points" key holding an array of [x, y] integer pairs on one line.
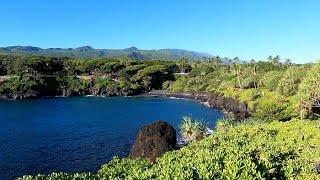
{"points": [[182, 64], [254, 73], [216, 61], [195, 63], [288, 62], [236, 60], [237, 71], [275, 60]]}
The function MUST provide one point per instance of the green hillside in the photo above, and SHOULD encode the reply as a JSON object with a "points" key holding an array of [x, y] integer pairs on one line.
{"points": [[89, 52]]}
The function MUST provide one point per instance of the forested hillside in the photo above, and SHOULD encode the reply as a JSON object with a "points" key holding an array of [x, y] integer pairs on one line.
{"points": [[132, 53]]}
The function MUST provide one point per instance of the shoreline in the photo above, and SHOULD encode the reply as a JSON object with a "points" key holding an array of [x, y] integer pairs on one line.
{"points": [[229, 106]]}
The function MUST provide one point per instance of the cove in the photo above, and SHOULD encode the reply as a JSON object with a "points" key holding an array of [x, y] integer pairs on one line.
{"points": [[81, 133]]}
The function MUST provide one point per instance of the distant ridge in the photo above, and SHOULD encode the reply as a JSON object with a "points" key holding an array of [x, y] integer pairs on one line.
{"points": [[90, 52]]}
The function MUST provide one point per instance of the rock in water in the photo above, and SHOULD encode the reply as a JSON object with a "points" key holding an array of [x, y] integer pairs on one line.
{"points": [[153, 140]]}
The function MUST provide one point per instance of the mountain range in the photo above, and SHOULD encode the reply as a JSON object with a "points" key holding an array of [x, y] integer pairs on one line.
{"points": [[90, 52]]}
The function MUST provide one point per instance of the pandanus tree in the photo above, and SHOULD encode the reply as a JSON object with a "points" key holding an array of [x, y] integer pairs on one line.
{"points": [[191, 130]]}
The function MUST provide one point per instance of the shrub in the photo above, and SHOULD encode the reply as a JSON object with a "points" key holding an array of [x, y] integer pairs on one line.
{"points": [[75, 84], [21, 84], [131, 70], [309, 93], [149, 71], [223, 125], [270, 80], [103, 83], [272, 106], [61, 176], [178, 85], [288, 85], [124, 168], [166, 84]]}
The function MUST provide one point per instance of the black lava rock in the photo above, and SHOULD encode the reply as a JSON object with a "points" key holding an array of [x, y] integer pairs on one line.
{"points": [[153, 140]]}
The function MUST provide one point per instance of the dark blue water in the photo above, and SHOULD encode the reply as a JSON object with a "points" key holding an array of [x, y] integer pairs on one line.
{"points": [[80, 134]]}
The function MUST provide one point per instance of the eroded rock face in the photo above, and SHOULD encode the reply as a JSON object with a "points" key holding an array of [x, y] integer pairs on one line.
{"points": [[237, 109], [233, 107], [153, 140]]}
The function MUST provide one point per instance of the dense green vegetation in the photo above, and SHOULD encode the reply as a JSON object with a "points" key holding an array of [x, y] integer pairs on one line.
{"points": [[280, 150], [50, 76], [271, 89], [281, 139]]}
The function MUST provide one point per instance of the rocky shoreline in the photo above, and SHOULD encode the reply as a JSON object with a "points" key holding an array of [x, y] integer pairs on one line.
{"points": [[31, 94], [232, 107]]}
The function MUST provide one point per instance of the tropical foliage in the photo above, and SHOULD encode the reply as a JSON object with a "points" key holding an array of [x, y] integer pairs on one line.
{"points": [[272, 90], [192, 129], [273, 144], [277, 150], [309, 93], [51, 76]]}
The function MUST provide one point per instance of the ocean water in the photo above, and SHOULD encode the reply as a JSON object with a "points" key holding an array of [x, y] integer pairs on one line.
{"points": [[81, 133]]}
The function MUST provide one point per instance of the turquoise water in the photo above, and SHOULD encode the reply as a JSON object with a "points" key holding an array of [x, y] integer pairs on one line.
{"points": [[81, 133]]}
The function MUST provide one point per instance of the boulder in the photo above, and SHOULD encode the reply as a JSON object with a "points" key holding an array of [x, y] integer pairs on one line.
{"points": [[153, 140]]}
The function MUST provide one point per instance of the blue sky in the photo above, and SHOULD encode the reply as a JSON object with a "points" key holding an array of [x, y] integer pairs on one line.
{"points": [[244, 28]]}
